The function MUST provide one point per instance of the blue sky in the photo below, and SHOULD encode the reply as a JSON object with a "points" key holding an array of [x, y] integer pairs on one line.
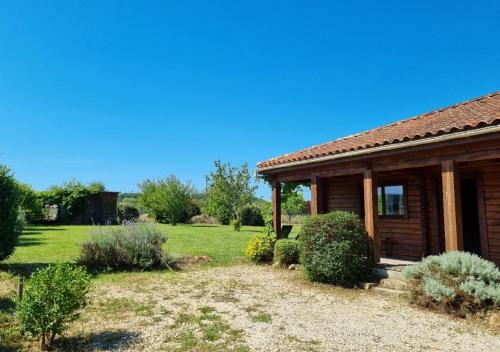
{"points": [[120, 91]]}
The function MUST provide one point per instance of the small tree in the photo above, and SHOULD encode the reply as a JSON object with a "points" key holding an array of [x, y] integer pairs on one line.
{"points": [[9, 207], [229, 190], [52, 298], [169, 199]]}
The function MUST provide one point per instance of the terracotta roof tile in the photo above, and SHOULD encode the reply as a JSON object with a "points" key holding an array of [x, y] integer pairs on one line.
{"points": [[475, 113]]}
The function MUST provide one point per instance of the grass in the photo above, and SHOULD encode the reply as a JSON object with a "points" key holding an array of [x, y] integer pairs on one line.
{"points": [[42, 245]]}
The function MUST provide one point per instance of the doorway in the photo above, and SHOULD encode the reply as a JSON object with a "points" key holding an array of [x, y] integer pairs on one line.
{"points": [[470, 215]]}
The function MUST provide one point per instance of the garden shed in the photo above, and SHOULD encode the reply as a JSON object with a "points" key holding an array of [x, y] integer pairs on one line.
{"points": [[424, 185]]}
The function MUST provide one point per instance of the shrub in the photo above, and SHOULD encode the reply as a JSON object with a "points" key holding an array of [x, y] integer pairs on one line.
{"points": [[334, 248], [31, 203], [127, 212], [10, 219], [52, 298], [286, 252], [260, 248], [169, 199], [457, 282], [236, 224], [131, 245], [251, 216], [203, 219]]}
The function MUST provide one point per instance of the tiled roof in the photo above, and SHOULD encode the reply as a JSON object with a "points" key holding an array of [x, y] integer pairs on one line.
{"points": [[475, 113]]}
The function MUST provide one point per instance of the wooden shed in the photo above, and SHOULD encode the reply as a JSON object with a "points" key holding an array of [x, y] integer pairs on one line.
{"points": [[424, 185]]}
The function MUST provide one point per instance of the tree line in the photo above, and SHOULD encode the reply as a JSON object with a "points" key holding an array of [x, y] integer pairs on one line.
{"points": [[229, 198]]}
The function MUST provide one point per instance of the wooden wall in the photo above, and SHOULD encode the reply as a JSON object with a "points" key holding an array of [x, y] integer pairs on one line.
{"points": [[491, 184], [419, 234], [344, 193], [404, 235]]}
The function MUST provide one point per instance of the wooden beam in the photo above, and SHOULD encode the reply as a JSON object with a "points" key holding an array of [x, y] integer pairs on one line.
{"points": [[452, 208], [371, 213], [276, 205], [317, 196]]}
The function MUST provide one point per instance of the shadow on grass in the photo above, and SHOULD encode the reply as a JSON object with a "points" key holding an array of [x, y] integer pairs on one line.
{"points": [[103, 341], [252, 230], [39, 229], [28, 242], [7, 305], [22, 269], [202, 225]]}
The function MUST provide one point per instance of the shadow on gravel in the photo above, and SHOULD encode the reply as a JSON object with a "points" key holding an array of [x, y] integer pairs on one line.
{"points": [[103, 341]]}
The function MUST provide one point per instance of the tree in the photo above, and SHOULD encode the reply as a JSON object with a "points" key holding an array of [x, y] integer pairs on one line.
{"points": [[31, 203], [294, 203], [168, 199], [9, 210], [229, 190]]}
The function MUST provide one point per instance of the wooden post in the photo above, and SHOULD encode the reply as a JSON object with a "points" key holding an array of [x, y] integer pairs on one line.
{"points": [[371, 213], [452, 208], [316, 195], [276, 203], [20, 288]]}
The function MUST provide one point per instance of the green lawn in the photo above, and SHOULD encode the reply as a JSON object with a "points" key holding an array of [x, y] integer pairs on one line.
{"points": [[40, 244]]}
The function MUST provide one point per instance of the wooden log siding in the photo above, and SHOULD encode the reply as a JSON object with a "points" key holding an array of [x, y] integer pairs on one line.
{"points": [[405, 234], [344, 193], [491, 190]]}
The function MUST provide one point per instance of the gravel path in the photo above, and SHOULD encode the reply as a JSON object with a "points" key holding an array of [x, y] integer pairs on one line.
{"points": [[260, 308]]}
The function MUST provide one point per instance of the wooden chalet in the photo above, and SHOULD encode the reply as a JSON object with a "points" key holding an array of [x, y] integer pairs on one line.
{"points": [[424, 185]]}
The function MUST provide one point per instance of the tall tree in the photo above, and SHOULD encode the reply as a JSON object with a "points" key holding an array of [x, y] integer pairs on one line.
{"points": [[169, 199], [229, 189]]}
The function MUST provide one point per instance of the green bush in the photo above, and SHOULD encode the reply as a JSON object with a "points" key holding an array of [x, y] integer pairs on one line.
{"points": [[236, 224], [334, 248], [251, 216], [31, 204], [52, 298], [10, 219], [457, 282], [260, 248], [286, 252], [169, 200], [129, 246], [127, 212]]}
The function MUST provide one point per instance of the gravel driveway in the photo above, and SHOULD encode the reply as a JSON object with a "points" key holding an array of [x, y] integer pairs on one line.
{"points": [[260, 308]]}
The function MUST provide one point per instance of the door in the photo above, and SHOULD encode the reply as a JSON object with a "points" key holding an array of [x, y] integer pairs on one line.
{"points": [[470, 215]]}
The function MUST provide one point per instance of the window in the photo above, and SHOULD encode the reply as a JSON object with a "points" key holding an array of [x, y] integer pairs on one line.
{"points": [[392, 200]]}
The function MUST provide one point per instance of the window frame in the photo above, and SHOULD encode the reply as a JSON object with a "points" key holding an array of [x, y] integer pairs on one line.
{"points": [[382, 185]]}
